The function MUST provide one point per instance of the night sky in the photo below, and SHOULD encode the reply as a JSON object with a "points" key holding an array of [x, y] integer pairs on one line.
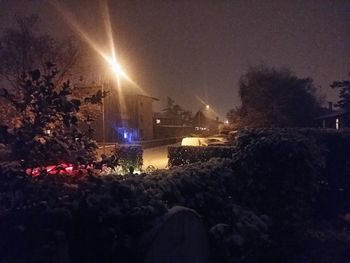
{"points": [[185, 49]]}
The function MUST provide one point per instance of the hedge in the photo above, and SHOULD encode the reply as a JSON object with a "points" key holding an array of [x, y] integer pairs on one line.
{"points": [[292, 175], [101, 219], [129, 156], [278, 198], [183, 155], [298, 177]]}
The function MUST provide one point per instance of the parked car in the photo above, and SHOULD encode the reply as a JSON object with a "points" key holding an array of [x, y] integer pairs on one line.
{"points": [[217, 141], [205, 141], [194, 141]]}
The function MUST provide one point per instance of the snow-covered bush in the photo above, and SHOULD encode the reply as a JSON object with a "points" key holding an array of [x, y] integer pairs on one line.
{"points": [[260, 205], [241, 239], [183, 155], [335, 181], [295, 176], [207, 188], [47, 126], [290, 159], [278, 173], [100, 219], [129, 156], [5, 154]]}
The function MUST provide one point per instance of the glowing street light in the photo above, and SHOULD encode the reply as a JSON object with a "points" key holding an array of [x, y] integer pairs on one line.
{"points": [[116, 67]]}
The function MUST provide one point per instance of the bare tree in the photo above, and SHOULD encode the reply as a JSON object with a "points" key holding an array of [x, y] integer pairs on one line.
{"points": [[23, 49]]}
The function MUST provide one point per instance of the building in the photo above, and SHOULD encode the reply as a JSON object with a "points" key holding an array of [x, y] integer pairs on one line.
{"points": [[206, 121], [167, 125], [339, 119], [140, 115], [122, 119]]}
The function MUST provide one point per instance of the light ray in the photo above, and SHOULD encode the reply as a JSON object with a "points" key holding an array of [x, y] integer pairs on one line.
{"points": [[208, 107], [117, 69], [201, 100], [109, 58]]}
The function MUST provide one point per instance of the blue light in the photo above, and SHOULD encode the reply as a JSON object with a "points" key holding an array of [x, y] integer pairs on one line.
{"points": [[126, 135]]}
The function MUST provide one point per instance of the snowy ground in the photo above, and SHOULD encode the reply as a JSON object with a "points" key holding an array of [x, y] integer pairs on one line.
{"points": [[157, 157]]}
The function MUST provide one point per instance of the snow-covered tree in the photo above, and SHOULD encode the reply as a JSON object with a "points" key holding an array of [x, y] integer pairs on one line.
{"points": [[46, 130]]}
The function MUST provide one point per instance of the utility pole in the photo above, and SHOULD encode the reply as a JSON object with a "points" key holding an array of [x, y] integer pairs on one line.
{"points": [[103, 120]]}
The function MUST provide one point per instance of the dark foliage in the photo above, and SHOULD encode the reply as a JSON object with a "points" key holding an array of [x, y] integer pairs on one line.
{"points": [[129, 156], [236, 234], [278, 173], [101, 219], [89, 219], [344, 93], [174, 110], [296, 180], [24, 49], [47, 126], [274, 98], [334, 189], [297, 177]]}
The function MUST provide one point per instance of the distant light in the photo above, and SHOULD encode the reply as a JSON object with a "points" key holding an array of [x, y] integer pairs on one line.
{"points": [[207, 106], [158, 121], [337, 123], [226, 122], [125, 135]]}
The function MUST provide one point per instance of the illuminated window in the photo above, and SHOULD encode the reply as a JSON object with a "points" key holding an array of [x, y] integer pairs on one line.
{"points": [[157, 121], [337, 123]]}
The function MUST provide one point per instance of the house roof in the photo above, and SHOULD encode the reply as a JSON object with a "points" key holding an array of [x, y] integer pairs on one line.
{"points": [[333, 114], [146, 96], [98, 87], [165, 115]]}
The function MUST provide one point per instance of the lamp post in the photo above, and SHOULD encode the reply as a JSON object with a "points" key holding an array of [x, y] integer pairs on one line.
{"points": [[118, 72], [103, 121]]}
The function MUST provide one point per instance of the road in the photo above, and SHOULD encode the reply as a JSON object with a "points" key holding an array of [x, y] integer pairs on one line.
{"points": [[157, 157]]}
